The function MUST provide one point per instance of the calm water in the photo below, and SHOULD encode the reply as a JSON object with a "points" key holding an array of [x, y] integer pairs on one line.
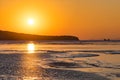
{"points": [[30, 60]]}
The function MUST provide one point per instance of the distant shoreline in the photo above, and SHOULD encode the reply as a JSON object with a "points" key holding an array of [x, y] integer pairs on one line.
{"points": [[6, 35]]}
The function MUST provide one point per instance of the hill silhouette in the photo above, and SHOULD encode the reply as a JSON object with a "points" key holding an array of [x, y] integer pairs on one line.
{"points": [[6, 35]]}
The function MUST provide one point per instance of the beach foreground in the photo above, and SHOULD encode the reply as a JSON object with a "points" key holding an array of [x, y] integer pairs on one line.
{"points": [[59, 62]]}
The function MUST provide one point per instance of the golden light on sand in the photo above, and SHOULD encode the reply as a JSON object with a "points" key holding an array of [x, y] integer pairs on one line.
{"points": [[30, 21], [31, 48]]}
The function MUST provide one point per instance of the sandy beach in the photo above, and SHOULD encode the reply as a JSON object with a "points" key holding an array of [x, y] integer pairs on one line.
{"points": [[59, 62]]}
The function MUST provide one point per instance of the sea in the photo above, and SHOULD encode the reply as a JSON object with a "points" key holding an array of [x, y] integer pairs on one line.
{"points": [[59, 60]]}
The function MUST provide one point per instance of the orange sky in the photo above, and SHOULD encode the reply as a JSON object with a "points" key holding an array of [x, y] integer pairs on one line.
{"points": [[87, 19]]}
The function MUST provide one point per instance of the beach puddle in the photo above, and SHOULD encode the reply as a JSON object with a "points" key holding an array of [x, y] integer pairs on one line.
{"points": [[63, 65]]}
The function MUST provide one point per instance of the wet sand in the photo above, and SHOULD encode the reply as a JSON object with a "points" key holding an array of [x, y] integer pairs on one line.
{"points": [[57, 65], [21, 61]]}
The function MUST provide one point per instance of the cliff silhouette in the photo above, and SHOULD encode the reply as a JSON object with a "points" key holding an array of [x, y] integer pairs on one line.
{"points": [[7, 35]]}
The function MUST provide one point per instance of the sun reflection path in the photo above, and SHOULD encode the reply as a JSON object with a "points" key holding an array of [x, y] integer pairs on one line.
{"points": [[31, 48]]}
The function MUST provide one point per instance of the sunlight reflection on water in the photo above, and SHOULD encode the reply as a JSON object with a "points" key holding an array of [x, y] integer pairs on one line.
{"points": [[31, 47]]}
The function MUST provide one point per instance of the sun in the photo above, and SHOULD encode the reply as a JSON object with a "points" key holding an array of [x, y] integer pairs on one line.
{"points": [[30, 21]]}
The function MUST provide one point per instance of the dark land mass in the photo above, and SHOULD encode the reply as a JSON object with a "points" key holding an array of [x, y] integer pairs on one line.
{"points": [[6, 35]]}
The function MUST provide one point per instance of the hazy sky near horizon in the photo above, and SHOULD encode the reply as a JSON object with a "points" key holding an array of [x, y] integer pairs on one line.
{"points": [[87, 19]]}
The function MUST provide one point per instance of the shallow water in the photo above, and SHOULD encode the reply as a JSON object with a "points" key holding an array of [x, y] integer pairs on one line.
{"points": [[33, 60]]}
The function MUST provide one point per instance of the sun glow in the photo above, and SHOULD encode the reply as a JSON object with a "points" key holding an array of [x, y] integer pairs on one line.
{"points": [[31, 48], [30, 21]]}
